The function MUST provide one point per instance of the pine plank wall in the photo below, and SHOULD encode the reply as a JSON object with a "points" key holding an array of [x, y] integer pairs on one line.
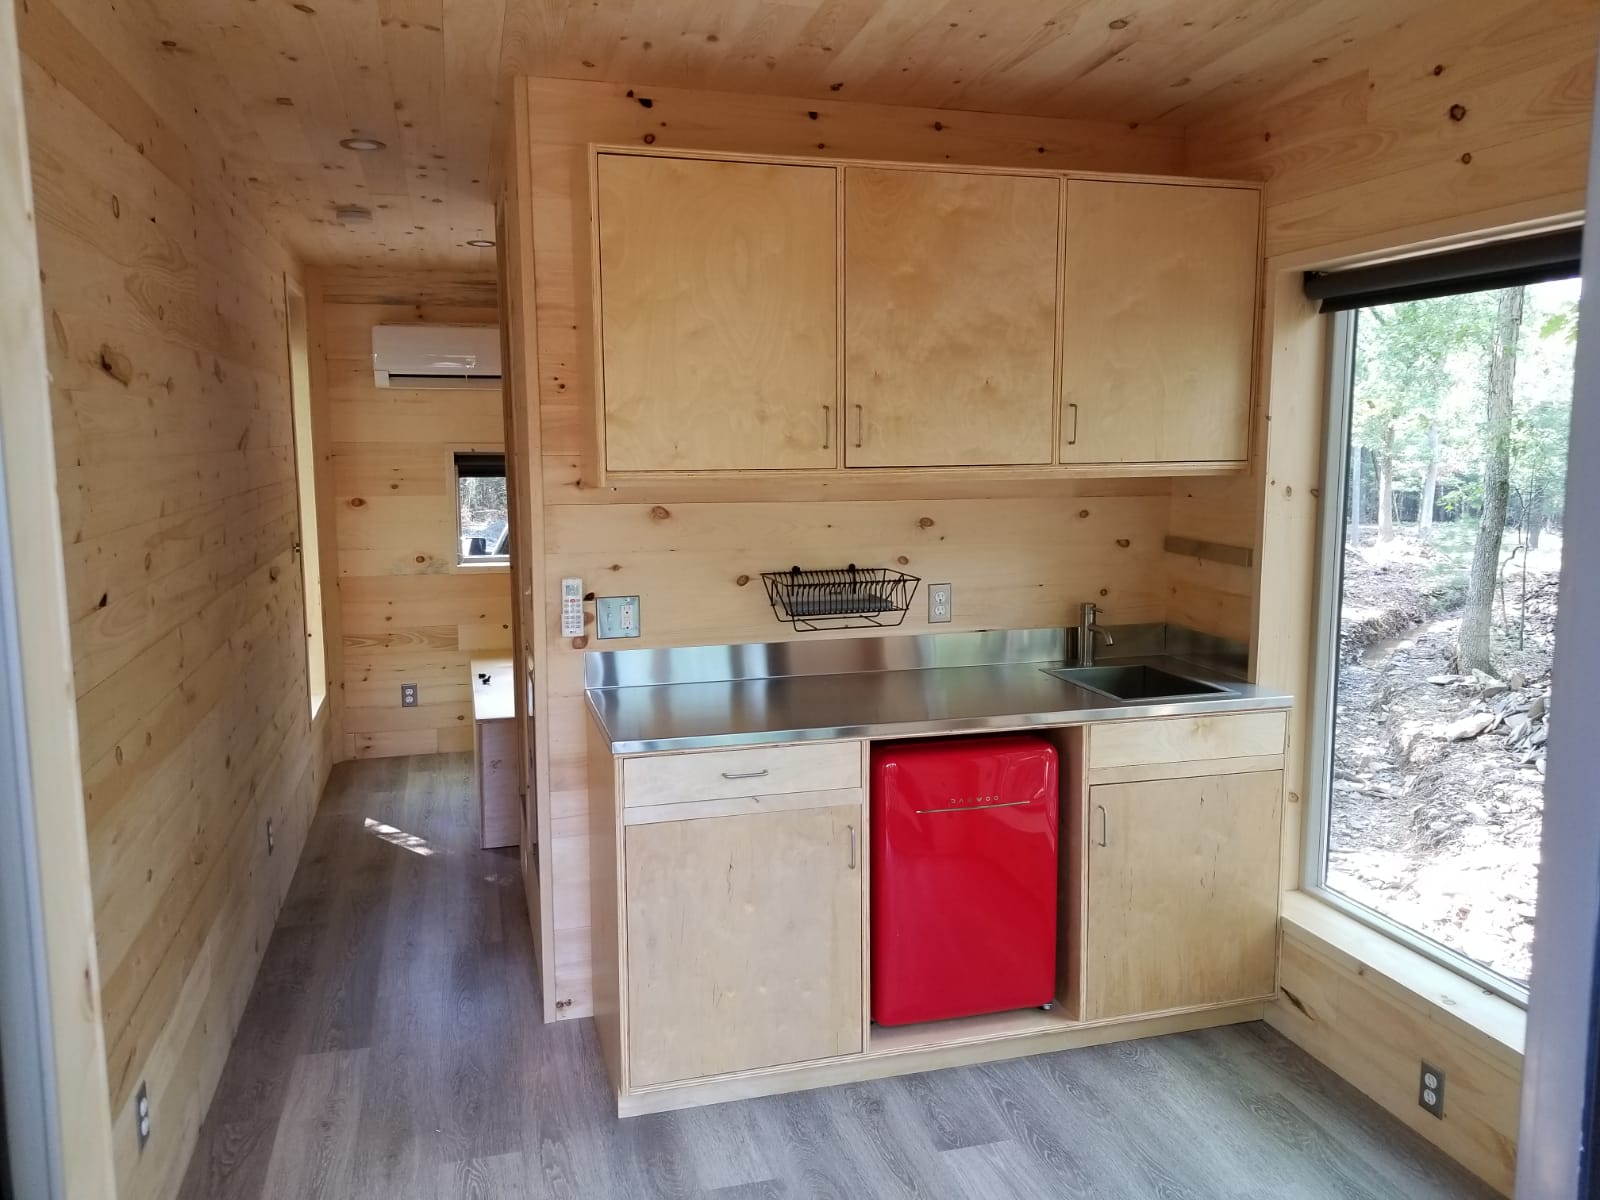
{"points": [[167, 341], [1468, 118], [408, 613]]}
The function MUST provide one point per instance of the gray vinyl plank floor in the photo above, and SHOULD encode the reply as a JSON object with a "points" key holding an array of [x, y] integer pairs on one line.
{"points": [[393, 1049]]}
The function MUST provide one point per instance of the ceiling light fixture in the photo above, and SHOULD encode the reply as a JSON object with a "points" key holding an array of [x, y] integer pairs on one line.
{"points": [[361, 143], [480, 243]]}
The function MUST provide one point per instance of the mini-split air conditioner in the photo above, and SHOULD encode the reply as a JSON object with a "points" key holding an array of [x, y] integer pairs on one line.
{"points": [[436, 356]]}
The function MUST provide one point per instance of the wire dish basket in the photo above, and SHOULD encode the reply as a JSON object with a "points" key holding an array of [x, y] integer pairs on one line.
{"points": [[841, 598]]}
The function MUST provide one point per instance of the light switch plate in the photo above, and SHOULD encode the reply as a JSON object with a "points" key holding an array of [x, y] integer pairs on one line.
{"points": [[616, 616], [938, 603]]}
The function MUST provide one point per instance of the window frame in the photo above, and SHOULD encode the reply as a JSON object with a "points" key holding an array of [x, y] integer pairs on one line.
{"points": [[308, 531], [487, 562], [1339, 403]]}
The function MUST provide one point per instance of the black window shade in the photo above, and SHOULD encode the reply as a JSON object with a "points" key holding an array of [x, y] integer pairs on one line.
{"points": [[1473, 269], [480, 466]]}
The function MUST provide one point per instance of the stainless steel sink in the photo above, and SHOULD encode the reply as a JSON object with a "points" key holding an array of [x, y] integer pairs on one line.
{"points": [[1136, 682]]}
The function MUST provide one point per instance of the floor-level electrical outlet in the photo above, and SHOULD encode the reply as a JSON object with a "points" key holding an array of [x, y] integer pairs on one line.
{"points": [[1430, 1090], [142, 1113], [408, 695], [938, 603]]}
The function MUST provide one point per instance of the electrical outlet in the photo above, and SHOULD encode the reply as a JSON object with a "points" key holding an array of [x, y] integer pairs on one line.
{"points": [[938, 602], [616, 616], [142, 1113], [1430, 1090], [272, 838], [408, 695]]}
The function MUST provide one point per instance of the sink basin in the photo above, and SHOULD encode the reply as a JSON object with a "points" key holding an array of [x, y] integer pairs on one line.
{"points": [[1136, 683]]}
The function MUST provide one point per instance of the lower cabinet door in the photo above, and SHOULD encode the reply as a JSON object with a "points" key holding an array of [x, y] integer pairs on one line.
{"points": [[1182, 905], [744, 942]]}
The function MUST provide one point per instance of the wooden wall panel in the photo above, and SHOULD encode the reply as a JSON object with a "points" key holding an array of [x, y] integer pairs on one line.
{"points": [[1464, 108], [1018, 553], [1469, 121], [167, 342], [1350, 998], [49, 765], [407, 612]]}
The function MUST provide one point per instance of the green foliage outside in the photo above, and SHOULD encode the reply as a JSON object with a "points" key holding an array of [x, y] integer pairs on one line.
{"points": [[1421, 374]]}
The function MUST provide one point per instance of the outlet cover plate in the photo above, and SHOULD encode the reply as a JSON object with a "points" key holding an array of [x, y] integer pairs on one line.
{"points": [[408, 695], [616, 616], [1430, 1089], [938, 603], [141, 1114]]}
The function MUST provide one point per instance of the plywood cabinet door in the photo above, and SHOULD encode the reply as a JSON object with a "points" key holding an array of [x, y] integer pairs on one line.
{"points": [[744, 942], [1159, 322], [718, 297], [1182, 897], [950, 318]]}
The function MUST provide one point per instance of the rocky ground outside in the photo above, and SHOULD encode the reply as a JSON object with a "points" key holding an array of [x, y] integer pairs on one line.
{"points": [[1438, 783]]}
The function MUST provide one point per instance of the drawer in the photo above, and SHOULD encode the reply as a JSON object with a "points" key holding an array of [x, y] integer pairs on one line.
{"points": [[758, 771], [1187, 739]]}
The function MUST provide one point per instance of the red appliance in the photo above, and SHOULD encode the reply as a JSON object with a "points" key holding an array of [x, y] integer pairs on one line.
{"points": [[964, 854]]}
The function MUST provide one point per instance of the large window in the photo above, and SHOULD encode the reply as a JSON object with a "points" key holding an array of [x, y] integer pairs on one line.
{"points": [[1441, 564], [484, 523], [305, 471]]}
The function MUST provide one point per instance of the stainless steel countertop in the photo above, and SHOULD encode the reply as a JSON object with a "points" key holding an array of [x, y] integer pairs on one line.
{"points": [[887, 704]]}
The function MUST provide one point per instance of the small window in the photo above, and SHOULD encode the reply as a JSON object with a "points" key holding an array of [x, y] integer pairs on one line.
{"points": [[483, 519]]}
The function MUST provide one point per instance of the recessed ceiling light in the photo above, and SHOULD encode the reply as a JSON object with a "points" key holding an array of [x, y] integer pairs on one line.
{"points": [[361, 143], [481, 243]]}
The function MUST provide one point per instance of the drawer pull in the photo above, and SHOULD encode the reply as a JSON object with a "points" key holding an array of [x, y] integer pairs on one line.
{"points": [[827, 426], [1073, 440], [1103, 830], [746, 774]]}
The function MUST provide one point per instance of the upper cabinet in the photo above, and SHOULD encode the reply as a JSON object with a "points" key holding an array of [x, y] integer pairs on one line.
{"points": [[1158, 332], [950, 317], [718, 311], [829, 317]]}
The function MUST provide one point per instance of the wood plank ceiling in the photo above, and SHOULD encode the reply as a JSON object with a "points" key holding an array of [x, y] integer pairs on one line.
{"points": [[283, 81]]}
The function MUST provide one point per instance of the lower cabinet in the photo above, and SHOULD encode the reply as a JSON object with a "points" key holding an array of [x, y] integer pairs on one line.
{"points": [[744, 941], [1182, 893]]}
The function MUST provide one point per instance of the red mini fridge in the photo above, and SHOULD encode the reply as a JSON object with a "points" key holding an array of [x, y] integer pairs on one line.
{"points": [[964, 854]]}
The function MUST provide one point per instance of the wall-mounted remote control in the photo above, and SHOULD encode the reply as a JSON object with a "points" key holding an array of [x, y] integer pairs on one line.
{"points": [[572, 608]]}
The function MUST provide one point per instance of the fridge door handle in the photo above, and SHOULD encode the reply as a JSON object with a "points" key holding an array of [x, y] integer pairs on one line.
{"points": [[852, 830], [1102, 810], [966, 808]]}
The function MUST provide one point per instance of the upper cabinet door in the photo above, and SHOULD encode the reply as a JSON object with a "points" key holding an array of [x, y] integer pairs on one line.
{"points": [[950, 318], [1159, 328], [719, 314]]}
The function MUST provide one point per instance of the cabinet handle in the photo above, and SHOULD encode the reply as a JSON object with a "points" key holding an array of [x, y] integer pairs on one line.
{"points": [[852, 830], [827, 426], [1073, 440], [861, 426], [1102, 809], [745, 774]]}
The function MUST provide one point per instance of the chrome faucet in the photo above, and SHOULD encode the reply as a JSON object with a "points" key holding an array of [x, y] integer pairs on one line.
{"points": [[1086, 634]]}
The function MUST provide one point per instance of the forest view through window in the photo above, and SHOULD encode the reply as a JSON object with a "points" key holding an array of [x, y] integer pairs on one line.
{"points": [[1451, 557]]}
